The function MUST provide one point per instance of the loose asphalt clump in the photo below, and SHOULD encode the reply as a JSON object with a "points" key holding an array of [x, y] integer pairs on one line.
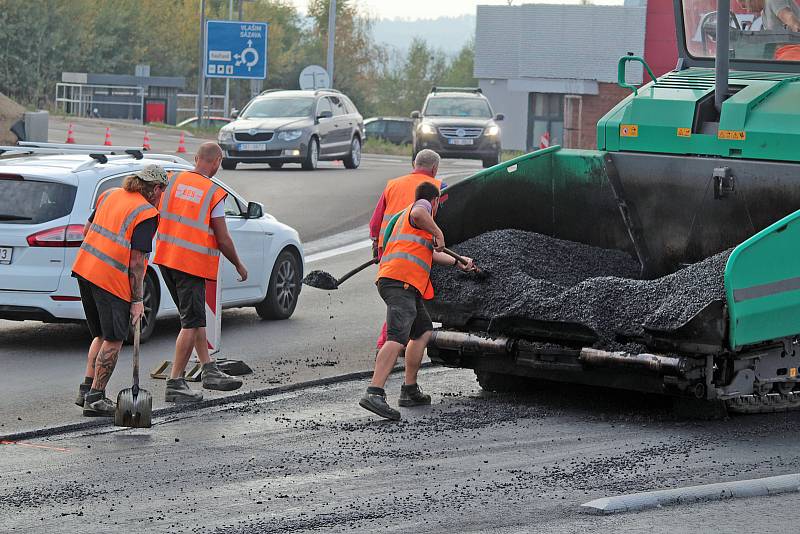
{"points": [[320, 280], [539, 277]]}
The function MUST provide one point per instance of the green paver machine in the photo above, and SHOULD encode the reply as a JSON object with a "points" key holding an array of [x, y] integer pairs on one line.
{"points": [[702, 159]]}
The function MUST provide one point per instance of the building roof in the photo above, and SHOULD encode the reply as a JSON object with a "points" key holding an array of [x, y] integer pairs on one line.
{"points": [[557, 41]]}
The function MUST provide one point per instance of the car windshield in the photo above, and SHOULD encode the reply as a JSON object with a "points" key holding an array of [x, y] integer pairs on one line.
{"points": [[758, 29], [32, 202], [458, 107], [265, 108]]}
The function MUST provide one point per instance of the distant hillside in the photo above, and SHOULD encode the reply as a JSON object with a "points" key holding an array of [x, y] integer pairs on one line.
{"points": [[447, 33]]}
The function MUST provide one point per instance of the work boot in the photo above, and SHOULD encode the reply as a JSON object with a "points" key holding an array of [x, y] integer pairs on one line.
{"points": [[214, 378], [374, 400], [96, 404], [83, 389], [413, 396], [179, 391]]}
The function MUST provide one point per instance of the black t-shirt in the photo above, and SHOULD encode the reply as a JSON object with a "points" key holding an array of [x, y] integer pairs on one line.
{"points": [[142, 238]]}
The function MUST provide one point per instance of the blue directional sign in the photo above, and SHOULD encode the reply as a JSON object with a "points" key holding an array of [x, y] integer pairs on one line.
{"points": [[236, 49]]}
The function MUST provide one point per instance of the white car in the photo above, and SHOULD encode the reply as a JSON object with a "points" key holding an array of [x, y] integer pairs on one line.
{"points": [[45, 201]]}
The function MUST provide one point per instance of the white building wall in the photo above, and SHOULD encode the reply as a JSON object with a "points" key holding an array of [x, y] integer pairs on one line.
{"points": [[512, 104]]}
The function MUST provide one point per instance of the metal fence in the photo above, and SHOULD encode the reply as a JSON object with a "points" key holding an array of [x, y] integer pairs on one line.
{"points": [[111, 101], [214, 105]]}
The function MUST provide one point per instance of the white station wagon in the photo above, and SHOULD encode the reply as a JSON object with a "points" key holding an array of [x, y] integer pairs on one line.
{"points": [[46, 196]]}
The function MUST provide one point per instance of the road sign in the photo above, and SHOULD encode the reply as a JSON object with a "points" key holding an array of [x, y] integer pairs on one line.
{"points": [[235, 49], [314, 77]]}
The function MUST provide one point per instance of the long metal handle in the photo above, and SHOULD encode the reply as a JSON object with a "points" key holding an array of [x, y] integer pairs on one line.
{"points": [[137, 334], [455, 256], [357, 270]]}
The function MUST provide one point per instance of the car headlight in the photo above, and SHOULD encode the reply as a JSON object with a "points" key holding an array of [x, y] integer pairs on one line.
{"points": [[427, 129], [225, 136], [492, 130], [290, 135]]}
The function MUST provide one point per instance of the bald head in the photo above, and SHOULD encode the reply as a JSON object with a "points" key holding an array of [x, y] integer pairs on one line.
{"points": [[208, 158]]}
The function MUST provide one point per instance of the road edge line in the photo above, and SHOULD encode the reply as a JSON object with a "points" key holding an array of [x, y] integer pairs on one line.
{"points": [[738, 489], [52, 431]]}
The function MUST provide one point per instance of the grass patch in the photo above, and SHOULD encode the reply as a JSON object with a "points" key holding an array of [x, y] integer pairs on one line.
{"points": [[379, 146]]}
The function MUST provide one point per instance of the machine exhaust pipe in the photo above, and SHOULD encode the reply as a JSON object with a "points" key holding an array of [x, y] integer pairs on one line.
{"points": [[664, 365], [722, 61], [462, 341]]}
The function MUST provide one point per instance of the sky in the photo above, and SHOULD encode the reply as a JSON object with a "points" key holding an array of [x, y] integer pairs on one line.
{"points": [[425, 9]]}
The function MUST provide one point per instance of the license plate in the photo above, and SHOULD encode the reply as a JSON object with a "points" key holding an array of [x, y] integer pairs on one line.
{"points": [[5, 254], [460, 141], [252, 147]]}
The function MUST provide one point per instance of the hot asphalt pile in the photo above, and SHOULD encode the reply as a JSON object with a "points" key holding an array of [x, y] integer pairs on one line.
{"points": [[320, 280], [540, 277]]}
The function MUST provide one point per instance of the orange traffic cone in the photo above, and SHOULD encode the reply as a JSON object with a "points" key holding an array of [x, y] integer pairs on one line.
{"points": [[70, 135], [108, 138], [181, 145], [146, 142]]}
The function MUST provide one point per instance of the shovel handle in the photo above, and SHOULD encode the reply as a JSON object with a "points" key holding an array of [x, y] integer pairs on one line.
{"points": [[357, 270], [137, 334], [455, 256]]}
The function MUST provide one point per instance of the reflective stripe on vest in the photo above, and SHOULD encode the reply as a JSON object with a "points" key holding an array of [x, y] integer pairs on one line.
{"points": [[185, 239], [104, 256], [399, 193], [408, 255]]}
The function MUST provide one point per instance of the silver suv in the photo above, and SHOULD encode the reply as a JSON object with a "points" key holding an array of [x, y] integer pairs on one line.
{"points": [[304, 127]]}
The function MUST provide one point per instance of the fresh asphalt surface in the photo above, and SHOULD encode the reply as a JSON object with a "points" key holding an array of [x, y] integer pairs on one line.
{"points": [[312, 460]]}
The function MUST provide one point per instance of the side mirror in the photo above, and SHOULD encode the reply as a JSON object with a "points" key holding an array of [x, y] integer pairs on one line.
{"points": [[415, 115], [234, 113], [255, 210], [325, 114], [499, 117]]}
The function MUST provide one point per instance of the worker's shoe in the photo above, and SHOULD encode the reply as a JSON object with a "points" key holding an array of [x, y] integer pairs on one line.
{"points": [[83, 389], [214, 378], [96, 404], [179, 391], [374, 400], [413, 396]]}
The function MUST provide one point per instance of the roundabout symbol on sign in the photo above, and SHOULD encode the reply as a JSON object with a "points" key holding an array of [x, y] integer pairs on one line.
{"points": [[242, 58]]}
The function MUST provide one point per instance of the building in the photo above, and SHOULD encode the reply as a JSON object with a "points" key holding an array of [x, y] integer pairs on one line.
{"points": [[552, 69]]}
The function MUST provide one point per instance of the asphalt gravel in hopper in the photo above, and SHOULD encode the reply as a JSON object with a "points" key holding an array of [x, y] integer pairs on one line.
{"points": [[544, 278]]}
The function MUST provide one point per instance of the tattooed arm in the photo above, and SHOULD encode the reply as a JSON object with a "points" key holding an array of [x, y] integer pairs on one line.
{"points": [[136, 277]]}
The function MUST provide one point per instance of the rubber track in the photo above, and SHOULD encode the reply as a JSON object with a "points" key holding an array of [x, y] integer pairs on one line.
{"points": [[769, 403]]}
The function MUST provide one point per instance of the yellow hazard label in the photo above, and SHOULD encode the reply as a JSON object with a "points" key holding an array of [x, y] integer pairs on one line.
{"points": [[733, 135], [792, 372], [629, 130], [684, 132]]}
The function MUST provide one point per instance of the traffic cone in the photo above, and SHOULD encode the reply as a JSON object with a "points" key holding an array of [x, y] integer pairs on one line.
{"points": [[70, 135], [181, 145], [146, 142], [108, 138]]}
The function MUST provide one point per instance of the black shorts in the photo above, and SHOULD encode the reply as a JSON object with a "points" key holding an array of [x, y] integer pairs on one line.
{"points": [[189, 294], [108, 316], [406, 316]]}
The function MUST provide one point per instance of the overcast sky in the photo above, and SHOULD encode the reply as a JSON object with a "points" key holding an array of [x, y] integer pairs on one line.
{"points": [[431, 9]]}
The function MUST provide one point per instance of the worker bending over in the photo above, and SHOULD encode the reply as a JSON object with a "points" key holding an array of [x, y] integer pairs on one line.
{"points": [[190, 238], [414, 244], [110, 267]]}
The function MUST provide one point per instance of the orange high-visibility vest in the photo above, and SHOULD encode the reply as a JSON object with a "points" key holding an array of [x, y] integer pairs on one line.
{"points": [[185, 240], [408, 255], [399, 193], [105, 254]]}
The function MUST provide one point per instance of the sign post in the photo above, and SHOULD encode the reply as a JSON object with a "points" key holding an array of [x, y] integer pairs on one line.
{"points": [[235, 49]]}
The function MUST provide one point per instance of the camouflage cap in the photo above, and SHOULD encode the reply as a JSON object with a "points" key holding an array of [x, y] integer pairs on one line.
{"points": [[153, 173]]}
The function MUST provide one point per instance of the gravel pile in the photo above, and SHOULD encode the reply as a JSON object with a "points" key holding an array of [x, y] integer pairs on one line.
{"points": [[545, 278]]}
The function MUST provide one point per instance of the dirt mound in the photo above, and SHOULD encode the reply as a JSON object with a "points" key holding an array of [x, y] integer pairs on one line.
{"points": [[10, 112]]}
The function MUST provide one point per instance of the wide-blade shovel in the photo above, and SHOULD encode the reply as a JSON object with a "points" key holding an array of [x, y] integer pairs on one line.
{"points": [[323, 280], [134, 405]]}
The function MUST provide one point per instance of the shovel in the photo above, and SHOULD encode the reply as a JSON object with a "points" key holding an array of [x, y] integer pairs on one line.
{"points": [[479, 273], [323, 280], [134, 405]]}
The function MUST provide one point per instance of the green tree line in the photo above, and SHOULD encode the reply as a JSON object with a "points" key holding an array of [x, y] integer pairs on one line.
{"points": [[41, 39]]}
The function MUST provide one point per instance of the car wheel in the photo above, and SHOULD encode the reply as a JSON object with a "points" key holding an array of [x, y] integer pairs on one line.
{"points": [[283, 289], [150, 299], [276, 165], [312, 155], [229, 165], [491, 162], [353, 159]]}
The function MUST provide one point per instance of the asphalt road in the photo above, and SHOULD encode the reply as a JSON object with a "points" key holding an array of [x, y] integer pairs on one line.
{"points": [[313, 461]]}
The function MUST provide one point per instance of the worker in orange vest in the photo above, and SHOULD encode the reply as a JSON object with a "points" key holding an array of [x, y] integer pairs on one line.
{"points": [[110, 267], [416, 242], [397, 195], [190, 238]]}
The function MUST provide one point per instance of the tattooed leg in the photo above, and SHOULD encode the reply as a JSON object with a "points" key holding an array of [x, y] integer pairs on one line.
{"points": [[105, 362]]}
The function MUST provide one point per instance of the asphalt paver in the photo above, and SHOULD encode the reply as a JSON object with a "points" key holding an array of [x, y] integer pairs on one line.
{"points": [[313, 461]]}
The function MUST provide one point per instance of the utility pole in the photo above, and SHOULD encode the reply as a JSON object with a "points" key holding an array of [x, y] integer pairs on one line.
{"points": [[201, 82], [331, 37], [228, 80]]}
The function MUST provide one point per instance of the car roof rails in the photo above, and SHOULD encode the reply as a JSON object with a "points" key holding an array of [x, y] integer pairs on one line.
{"points": [[271, 91], [99, 154], [323, 90], [474, 90]]}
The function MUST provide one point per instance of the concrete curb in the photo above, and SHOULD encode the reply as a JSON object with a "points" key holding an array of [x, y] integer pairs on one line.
{"points": [[187, 408], [633, 502]]}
